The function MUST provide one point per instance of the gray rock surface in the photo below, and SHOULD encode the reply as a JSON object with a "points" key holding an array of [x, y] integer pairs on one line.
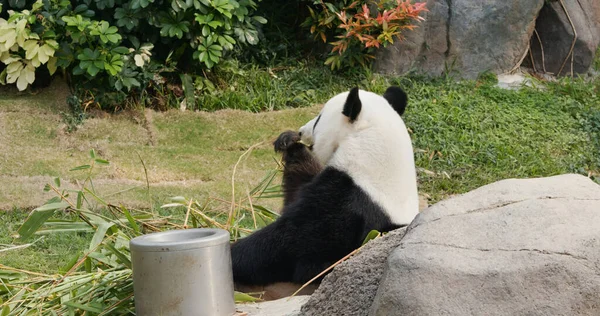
{"points": [[556, 36], [514, 247], [289, 306], [464, 38], [350, 288]]}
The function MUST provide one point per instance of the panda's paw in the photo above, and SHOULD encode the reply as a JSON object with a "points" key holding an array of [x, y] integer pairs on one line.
{"points": [[285, 140]]}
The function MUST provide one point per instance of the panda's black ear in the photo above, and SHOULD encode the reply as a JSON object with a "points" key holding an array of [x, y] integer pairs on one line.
{"points": [[353, 105], [397, 98]]}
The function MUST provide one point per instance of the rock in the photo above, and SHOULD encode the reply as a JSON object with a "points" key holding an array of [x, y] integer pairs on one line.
{"points": [[289, 306], [350, 288], [514, 81], [556, 36], [465, 38], [514, 247]]}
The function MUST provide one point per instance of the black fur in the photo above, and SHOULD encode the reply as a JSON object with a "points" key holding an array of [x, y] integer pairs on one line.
{"points": [[317, 122], [325, 217], [397, 98], [353, 105], [300, 166]]}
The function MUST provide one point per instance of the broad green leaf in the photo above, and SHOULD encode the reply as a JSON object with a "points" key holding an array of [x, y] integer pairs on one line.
{"points": [[114, 38], [93, 71], [260, 19], [52, 65], [120, 50], [57, 182]]}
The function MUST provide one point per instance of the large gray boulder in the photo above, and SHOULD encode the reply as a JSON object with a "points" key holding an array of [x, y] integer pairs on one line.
{"points": [[350, 288], [465, 38], [556, 36], [515, 247]]}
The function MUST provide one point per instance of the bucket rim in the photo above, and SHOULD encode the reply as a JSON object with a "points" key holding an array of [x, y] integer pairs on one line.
{"points": [[179, 239]]}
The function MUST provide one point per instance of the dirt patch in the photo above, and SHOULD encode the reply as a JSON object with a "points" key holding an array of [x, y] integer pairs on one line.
{"points": [[149, 126]]}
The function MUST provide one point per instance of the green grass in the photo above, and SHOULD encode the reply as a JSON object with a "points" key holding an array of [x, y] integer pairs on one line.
{"points": [[465, 134], [47, 254]]}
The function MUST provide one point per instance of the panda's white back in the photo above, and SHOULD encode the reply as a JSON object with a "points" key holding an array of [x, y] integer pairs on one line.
{"points": [[377, 153]]}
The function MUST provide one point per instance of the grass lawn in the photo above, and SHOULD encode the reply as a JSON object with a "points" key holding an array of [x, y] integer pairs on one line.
{"points": [[465, 134]]}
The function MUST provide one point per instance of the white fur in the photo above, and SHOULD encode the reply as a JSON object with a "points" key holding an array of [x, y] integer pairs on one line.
{"points": [[375, 150]]}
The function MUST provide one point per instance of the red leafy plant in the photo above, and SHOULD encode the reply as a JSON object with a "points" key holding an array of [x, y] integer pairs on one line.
{"points": [[361, 27]]}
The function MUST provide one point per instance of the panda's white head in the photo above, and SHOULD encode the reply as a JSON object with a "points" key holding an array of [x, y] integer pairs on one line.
{"points": [[348, 113], [363, 134]]}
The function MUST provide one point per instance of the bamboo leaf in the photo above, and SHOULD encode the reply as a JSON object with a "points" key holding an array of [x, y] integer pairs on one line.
{"points": [[172, 205], [82, 167], [371, 235], [37, 218], [179, 199], [5, 310], [95, 196], [99, 234], [101, 161], [79, 199], [131, 220], [119, 255], [87, 308], [240, 297], [69, 264], [88, 265]]}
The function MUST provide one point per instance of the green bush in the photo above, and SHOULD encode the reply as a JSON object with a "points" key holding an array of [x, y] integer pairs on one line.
{"points": [[120, 45]]}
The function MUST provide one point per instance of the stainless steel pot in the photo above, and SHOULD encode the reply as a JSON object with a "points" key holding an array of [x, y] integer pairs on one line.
{"points": [[183, 272]]}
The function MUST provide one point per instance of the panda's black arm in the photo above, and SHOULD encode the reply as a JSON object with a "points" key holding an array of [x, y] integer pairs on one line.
{"points": [[261, 258], [299, 165]]}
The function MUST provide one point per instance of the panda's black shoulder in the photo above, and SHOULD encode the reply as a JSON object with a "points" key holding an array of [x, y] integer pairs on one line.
{"points": [[335, 198]]}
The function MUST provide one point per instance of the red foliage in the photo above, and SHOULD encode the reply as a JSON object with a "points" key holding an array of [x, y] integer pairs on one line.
{"points": [[380, 30]]}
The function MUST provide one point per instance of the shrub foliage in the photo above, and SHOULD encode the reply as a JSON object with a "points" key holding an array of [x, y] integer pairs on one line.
{"points": [[120, 44], [120, 52], [355, 29]]}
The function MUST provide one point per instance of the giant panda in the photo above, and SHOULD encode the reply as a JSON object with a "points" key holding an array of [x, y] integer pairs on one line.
{"points": [[346, 172]]}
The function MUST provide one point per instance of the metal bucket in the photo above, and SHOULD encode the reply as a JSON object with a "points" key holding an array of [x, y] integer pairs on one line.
{"points": [[183, 272]]}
